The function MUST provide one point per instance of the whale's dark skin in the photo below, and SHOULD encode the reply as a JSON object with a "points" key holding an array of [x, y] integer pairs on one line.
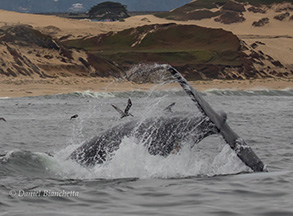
{"points": [[242, 149], [161, 136], [164, 135]]}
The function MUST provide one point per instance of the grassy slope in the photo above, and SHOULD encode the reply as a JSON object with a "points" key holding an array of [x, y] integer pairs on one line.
{"points": [[173, 44]]}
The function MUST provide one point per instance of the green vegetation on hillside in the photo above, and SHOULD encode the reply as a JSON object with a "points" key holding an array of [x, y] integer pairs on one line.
{"points": [[170, 43]]}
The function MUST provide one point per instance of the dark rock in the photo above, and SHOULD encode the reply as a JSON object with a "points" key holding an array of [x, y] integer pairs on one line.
{"points": [[48, 56], [269, 58], [257, 55], [84, 62], [277, 64], [287, 8], [259, 42], [254, 45], [256, 10], [10, 72], [233, 6], [281, 17], [25, 35], [228, 17], [4, 72], [66, 53], [62, 59], [261, 22]]}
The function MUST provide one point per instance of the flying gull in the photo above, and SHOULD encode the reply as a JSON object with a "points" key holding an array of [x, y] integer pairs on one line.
{"points": [[126, 111], [73, 117]]}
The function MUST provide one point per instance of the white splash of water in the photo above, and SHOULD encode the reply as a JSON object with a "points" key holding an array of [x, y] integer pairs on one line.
{"points": [[132, 160], [91, 94]]}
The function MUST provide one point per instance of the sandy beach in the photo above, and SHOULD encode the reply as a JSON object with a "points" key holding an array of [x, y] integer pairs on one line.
{"points": [[35, 87]]}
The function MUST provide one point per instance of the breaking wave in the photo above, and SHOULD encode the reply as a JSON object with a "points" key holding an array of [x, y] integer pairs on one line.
{"points": [[27, 163], [257, 92], [171, 92]]}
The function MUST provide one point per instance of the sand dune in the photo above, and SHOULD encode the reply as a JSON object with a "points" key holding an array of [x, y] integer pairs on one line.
{"points": [[76, 28]]}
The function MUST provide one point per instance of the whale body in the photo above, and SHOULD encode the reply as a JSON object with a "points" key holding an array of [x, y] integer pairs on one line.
{"points": [[160, 135], [163, 135]]}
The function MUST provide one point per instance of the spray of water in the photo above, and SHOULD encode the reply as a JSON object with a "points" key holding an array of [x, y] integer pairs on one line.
{"points": [[132, 158]]}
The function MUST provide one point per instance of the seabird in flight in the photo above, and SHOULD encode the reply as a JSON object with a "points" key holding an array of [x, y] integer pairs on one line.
{"points": [[73, 117], [126, 111]]}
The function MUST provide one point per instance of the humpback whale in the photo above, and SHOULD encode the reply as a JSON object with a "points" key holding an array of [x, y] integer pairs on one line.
{"points": [[126, 111], [2, 119], [161, 136], [164, 135]]}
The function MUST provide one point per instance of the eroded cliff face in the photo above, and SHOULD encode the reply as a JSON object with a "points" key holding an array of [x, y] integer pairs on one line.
{"points": [[199, 53], [25, 51]]}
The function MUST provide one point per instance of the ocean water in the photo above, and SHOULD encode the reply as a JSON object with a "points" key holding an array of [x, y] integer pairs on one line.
{"points": [[37, 178]]}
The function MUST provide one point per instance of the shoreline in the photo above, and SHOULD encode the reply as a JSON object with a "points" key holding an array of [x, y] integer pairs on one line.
{"points": [[17, 87], [276, 42]]}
